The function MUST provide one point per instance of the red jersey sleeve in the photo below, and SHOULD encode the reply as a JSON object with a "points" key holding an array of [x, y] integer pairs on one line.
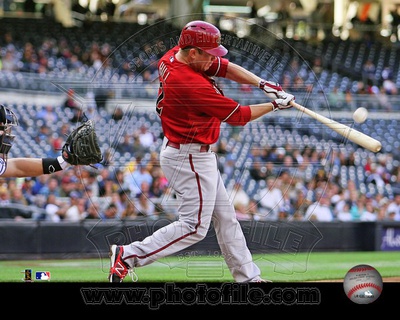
{"points": [[218, 68]]}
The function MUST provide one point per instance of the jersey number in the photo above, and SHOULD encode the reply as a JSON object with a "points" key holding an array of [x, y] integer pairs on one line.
{"points": [[159, 99]]}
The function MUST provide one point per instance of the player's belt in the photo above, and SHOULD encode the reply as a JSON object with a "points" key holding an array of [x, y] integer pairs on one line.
{"points": [[203, 147]]}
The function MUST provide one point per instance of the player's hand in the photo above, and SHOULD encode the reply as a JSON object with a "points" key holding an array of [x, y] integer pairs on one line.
{"points": [[271, 89], [283, 103]]}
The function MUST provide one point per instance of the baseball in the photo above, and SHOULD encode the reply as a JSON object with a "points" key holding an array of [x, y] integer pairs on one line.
{"points": [[360, 115], [363, 284]]}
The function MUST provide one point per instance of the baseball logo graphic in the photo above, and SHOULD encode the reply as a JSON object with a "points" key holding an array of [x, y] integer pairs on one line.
{"points": [[363, 284]]}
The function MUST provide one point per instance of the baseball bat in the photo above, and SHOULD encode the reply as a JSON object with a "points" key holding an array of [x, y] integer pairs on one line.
{"points": [[349, 133]]}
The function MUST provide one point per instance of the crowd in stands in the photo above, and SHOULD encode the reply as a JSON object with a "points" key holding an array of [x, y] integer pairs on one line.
{"points": [[138, 189]]}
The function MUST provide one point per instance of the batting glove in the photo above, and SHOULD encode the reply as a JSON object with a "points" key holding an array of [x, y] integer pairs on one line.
{"points": [[272, 89], [279, 104]]}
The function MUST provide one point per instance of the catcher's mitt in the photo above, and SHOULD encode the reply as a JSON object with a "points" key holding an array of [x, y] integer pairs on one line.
{"points": [[82, 146]]}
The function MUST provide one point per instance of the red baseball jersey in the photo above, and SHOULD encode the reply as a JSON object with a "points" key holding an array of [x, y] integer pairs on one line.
{"points": [[189, 103]]}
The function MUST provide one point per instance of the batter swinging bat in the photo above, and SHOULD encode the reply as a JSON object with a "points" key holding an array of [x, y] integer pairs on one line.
{"points": [[351, 134]]}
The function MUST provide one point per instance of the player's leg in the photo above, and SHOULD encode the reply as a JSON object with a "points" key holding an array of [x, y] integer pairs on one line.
{"points": [[231, 238], [193, 179]]}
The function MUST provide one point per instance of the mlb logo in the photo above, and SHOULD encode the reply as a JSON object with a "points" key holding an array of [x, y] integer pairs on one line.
{"points": [[43, 275]]}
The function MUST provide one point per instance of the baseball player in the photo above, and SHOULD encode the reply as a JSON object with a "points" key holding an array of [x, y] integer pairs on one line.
{"points": [[191, 108], [32, 167]]}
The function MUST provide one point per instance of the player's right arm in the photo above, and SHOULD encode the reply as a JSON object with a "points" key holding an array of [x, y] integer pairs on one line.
{"points": [[229, 70]]}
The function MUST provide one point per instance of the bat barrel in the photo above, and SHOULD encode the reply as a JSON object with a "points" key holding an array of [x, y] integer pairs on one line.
{"points": [[349, 133]]}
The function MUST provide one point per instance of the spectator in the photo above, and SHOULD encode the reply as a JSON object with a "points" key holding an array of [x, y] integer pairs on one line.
{"points": [[241, 212], [117, 199], [158, 187], [270, 197], [118, 114], [252, 209], [9, 62], [17, 196], [76, 210], [110, 213], [70, 101], [374, 176], [47, 114], [369, 213], [145, 207], [320, 210], [300, 204], [26, 188], [357, 208], [283, 215], [394, 207], [229, 165], [89, 180], [338, 201], [238, 197], [44, 134], [286, 208], [54, 208], [368, 73], [40, 182], [146, 137], [56, 147], [126, 145], [134, 180], [336, 99], [4, 196], [50, 187], [257, 170], [389, 87], [344, 213], [92, 211], [130, 212]]}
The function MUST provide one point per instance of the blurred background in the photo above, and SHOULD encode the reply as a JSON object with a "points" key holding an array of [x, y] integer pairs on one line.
{"points": [[60, 59]]}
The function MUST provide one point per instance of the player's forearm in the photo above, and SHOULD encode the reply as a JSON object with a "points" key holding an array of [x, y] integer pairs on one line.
{"points": [[33, 167], [239, 74], [258, 110], [23, 167]]}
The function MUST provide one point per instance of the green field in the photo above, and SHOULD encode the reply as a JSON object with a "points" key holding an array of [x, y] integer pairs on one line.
{"points": [[276, 267]]}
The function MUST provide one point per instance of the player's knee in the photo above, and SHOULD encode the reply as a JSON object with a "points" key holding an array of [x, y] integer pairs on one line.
{"points": [[202, 231], [199, 231]]}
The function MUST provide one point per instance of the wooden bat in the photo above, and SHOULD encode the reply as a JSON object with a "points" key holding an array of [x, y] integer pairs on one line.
{"points": [[351, 134]]}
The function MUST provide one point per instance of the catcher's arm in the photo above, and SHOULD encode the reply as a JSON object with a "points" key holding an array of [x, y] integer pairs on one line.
{"points": [[30, 167], [81, 148]]}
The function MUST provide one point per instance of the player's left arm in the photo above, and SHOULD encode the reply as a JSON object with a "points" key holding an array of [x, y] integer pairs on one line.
{"points": [[222, 67], [241, 75]]}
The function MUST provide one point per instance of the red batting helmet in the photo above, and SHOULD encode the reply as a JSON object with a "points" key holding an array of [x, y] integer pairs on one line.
{"points": [[204, 36]]}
